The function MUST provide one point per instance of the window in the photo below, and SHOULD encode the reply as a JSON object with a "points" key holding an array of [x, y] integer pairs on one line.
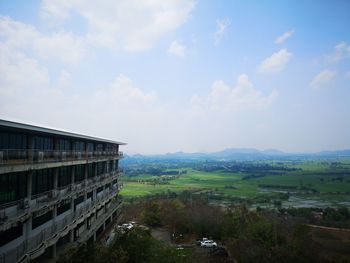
{"points": [[13, 186], [11, 140], [77, 201], [42, 219], [99, 147], [89, 195], [64, 145], [110, 169], [79, 146], [90, 147], [101, 168], [91, 170], [63, 208], [99, 189], [43, 143], [79, 173], [42, 181], [10, 234], [64, 176]]}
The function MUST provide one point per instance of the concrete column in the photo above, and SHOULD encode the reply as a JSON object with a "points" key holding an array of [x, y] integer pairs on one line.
{"points": [[56, 146], [29, 185], [85, 172], [95, 169], [71, 235], [72, 174], [30, 148], [54, 251], [55, 178], [27, 229], [94, 194]]}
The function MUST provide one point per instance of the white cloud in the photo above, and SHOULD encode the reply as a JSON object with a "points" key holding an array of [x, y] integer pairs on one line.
{"points": [[64, 78], [243, 96], [284, 36], [60, 45], [276, 62], [63, 46], [341, 51], [222, 26], [322, 78], [176, 48], [123, 91], [129, 25]]}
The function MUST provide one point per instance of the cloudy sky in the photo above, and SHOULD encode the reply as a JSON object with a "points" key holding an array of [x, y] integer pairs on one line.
{"points": [[182, 75]]}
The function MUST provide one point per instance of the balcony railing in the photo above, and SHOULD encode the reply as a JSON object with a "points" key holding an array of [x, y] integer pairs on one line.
{"points": [[48, 236], [16, 209], [10, 156]]}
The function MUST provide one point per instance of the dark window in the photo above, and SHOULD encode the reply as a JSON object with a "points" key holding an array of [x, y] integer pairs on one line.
{"points": [[12, 140], [99, 147], [116, 164], [79, 173], [91, 170], [42, 181], [39, 220], [99, 189], [63, 208], [43, 143], [101, 168], [64, 176], [10, 234], [77, 201], [90, 147], [110, 147], [64, 145], [79, 146], [13, 186], [110, 169], [89, 195]]}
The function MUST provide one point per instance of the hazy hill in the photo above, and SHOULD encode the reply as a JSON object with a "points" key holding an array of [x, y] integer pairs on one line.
{"points": [[238, 154]]}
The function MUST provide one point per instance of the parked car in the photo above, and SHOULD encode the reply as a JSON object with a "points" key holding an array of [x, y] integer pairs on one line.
{"points": [[208, 243], [127, 226], [198, 242]]}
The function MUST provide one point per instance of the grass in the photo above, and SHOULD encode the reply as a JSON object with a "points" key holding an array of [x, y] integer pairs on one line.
{"points": [[314, 175]]}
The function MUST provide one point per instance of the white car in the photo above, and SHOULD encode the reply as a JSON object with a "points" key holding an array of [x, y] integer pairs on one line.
{"points": [[128, 226], [208, 243]]}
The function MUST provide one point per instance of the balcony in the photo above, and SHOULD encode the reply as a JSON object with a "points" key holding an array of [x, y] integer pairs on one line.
{"points": [[36, 245], [13, 157], [20, 210]]}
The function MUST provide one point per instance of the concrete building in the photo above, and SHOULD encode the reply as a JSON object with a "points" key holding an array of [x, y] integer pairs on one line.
{"points": [[56, 187]]}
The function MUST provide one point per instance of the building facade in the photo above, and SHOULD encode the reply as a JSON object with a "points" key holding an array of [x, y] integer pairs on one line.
{"points": [[56, 188]]}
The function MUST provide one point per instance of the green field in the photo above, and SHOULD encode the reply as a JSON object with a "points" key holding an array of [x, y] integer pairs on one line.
{"points": [[313, 181]]}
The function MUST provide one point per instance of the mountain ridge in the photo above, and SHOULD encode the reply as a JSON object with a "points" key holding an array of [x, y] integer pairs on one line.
{"points": [[243, 152]]}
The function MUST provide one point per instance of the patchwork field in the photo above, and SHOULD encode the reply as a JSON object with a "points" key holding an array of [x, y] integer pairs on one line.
{"points": [[313, 183]]}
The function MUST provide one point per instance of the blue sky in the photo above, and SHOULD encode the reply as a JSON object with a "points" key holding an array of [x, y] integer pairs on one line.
{"points": [[186, 75]]}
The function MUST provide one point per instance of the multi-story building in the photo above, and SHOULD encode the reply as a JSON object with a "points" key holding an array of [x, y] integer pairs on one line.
{"points": [[56, 187]]}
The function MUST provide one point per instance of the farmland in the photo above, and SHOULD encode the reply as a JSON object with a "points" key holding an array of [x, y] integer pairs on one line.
{"points": [[301, 184]]}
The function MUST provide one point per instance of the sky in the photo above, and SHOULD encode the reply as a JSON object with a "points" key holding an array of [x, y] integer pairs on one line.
{"points": [[181, 75]]}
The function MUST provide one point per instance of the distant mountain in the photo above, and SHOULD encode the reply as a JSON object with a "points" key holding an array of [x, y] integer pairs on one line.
{"points": [[241, 154], [341, 153]]}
